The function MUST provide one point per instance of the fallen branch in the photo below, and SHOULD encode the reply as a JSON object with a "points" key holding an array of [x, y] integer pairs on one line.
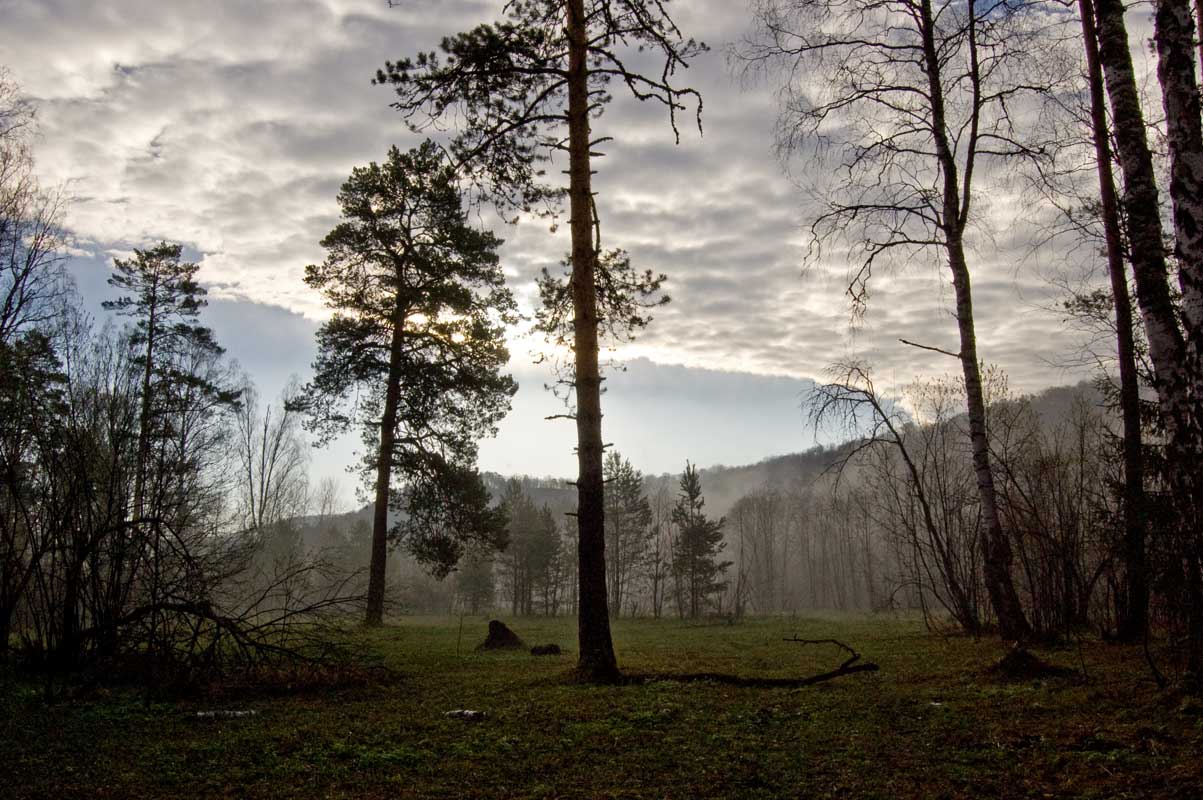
{"points": [[853, 656], [848, 667], [757, 683]]}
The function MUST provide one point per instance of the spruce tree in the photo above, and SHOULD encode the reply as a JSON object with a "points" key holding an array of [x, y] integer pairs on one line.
{"points": [[698, 545], [628, 517]]}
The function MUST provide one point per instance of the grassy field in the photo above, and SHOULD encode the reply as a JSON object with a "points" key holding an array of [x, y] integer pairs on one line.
{"points": [[930, 723]]}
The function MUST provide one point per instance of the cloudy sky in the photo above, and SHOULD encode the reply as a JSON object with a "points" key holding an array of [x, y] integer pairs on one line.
{"points": [[228, 125]]}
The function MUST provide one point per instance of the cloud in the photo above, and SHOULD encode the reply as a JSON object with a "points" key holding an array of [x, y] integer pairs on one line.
{"points": [[225, 125], [655, 414], [230, 125]]}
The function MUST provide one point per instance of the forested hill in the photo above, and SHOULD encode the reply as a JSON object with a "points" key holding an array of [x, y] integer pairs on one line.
{"points": [[723, 485]]}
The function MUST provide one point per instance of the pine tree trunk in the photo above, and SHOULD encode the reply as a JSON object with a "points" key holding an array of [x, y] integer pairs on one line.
{"points": [[596, 661], [1134, 613], [145, 406], [140, 476], [384, 461], [996, 548]]}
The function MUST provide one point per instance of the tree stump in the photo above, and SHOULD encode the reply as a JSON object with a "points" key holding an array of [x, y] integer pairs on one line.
{"points": [[1020, 665], [501, 638]]}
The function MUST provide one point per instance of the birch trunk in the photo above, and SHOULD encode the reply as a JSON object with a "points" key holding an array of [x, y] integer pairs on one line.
{"points": [[1140, 204], [996, 548], [1133, 616], [1175, 42], [1174, 355]]}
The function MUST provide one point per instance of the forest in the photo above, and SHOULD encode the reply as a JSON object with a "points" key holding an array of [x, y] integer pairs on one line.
{"points": [[165, 539]]}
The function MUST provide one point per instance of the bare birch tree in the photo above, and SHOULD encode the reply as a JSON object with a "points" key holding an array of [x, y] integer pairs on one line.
{"points": [[1174, 353], [272, 461], [921, 96]]}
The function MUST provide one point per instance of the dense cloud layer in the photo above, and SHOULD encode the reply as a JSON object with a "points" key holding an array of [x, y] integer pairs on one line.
{"points": [[229, 126]]}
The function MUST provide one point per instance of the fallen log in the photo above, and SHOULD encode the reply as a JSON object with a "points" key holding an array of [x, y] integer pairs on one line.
{"points": [[848, 667]]}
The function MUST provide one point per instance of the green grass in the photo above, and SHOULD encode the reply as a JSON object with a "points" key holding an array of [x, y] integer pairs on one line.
{"points": [[929, 724]]}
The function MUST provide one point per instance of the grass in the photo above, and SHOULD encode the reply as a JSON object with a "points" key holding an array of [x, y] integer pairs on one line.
{"points": [[930, 723]]}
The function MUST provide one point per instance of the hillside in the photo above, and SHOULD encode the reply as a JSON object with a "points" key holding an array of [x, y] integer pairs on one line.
{"points": [[724, 484]]}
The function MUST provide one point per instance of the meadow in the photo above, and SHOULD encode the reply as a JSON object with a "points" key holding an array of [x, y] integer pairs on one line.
{"points": [[932, 722]]}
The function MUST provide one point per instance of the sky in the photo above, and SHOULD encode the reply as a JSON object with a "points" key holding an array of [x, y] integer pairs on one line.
{"points": [[228, 126]]}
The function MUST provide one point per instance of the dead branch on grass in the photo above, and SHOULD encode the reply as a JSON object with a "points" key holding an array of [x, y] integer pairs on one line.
{"points": [[848, 667]]}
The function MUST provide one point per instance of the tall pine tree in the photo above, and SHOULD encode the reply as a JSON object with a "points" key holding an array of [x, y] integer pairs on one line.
{"points": [[183, 391], [520, 90], [413, 356]]}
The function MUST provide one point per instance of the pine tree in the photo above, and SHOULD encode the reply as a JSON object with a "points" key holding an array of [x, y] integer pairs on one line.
{"points": [[183, 392], [164, 300], [545, 555], [415, 348], [520, 90], [530, 561], [516, 560]]}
